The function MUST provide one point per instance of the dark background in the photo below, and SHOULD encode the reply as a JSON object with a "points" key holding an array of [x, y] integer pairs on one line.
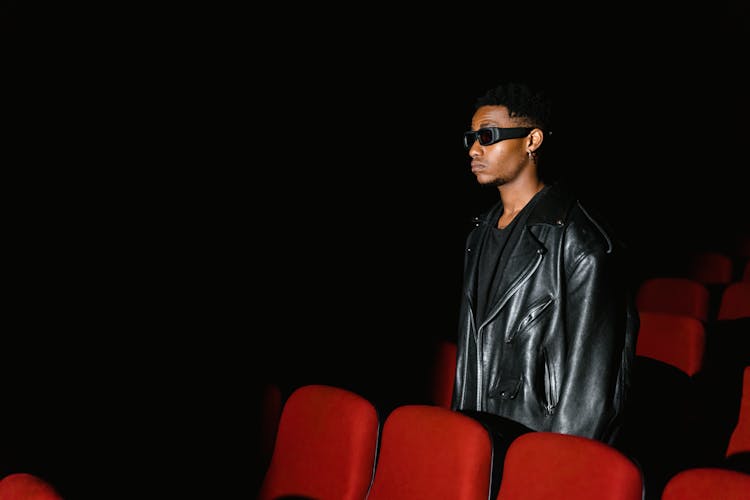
{"points": [[200, 201]]}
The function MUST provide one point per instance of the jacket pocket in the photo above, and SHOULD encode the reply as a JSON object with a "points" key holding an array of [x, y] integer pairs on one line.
{"points": [[506, 389], [534, 312]]}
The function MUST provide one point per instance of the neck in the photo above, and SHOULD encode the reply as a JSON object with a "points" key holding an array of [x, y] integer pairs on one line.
{"points": [[514, 198]]}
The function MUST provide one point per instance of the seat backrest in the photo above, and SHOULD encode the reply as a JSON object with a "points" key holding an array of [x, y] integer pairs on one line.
{"points": [[544, 465], [678, 340], [710, 268], [325, 447], [431, 452], [746, 272], [707, 483], [739, 441], [443, 373], [658, 420], [23, 486], [674, 295], [735, 301]]}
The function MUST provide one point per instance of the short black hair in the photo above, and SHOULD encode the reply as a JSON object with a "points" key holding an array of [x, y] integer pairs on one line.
{"points": [[533, 105]]}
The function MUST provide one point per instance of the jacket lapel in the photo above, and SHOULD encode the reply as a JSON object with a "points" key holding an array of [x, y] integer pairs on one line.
{"points": [[522, 261]]}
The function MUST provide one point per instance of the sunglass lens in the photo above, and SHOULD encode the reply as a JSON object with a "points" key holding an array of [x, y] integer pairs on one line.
{"points": [[485, 136]]}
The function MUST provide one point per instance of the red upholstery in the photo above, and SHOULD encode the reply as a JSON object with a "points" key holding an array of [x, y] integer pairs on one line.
{"points": [[443, 373], [735, 301], [674, 295], [746, 273], [23, 486], [325, 446], [707, 483], [546, 465], [740, 439], [711, 268], [674, 339], [432, 452]]}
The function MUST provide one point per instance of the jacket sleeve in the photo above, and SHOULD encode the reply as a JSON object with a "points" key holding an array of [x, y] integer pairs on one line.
{"points": [[596, 331]]}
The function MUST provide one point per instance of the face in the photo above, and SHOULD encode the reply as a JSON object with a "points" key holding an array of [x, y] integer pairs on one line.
{"points": [[502, 162]]}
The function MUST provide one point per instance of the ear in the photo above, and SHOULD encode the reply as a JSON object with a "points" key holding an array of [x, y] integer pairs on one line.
{"points": [[535, 138]]}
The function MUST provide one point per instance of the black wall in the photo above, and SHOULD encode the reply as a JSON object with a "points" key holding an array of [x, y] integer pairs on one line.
{"points": [[200, 201]]}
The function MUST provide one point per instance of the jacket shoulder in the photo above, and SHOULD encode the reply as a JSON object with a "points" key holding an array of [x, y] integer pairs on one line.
{"points": [[590, 229]]}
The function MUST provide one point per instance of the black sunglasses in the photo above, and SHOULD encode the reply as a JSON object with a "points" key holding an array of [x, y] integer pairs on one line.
{"points": [[491, 135]]}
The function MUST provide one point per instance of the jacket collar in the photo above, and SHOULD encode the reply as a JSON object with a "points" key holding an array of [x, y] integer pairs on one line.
{"points": [[552, 208]]}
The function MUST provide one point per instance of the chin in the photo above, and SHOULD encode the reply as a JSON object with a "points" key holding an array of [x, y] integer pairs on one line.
{"points": [[484, 179], [490, 181]]}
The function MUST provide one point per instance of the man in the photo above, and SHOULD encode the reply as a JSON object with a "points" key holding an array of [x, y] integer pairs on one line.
{"points": [[547, 322]]}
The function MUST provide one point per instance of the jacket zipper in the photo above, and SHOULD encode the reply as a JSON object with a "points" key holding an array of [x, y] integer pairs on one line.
{"points": [[512, 290], [550, 385], [530, 316]]}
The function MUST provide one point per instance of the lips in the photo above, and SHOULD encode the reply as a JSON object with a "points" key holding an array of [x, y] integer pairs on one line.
{"points": [[476, 166]]}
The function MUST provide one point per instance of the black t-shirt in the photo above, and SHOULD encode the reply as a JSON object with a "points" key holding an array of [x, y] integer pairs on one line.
{"points": [[493, 257]]}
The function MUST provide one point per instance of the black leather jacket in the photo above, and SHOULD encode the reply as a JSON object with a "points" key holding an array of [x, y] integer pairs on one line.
{"points": [[556, 349]]}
